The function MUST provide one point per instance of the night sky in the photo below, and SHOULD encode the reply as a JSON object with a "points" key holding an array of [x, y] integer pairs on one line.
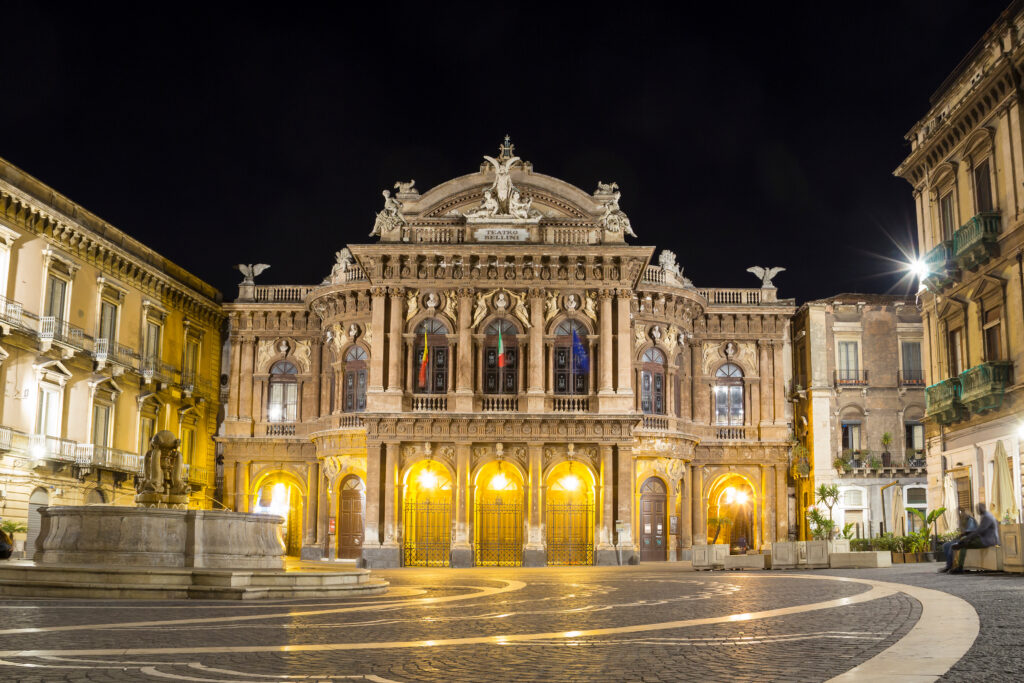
{"points": [[755, 137]]}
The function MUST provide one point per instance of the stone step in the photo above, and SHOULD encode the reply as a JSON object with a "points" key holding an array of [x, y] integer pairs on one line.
{"points": [[85, 574], [372, 587], [269, 579]]}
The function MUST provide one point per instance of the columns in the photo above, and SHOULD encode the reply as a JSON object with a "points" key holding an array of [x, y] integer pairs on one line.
{"points": [[624, 341], [626, 550], [778, 383], [685, 513], [700, 526], [764, 371], [380, 498], [324, 510], [535, 386], [241, 486], [371, 520], [605, 551], [534, 554], [462, 547], [781, 504], [700, 400], [394, 401], [390, 507], [314, 411], [310, 550], [377, 305], [245, 379], [464, 370], [605, 344], [233, 376]]}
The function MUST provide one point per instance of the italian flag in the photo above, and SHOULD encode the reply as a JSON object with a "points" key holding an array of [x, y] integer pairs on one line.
{"points": [[423, 363], [501, 350]]}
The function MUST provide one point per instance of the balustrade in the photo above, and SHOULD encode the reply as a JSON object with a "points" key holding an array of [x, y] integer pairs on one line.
{"points": [[746, 296], [654, 422], [429, 403], [281, 293], [53, 329], [500, 404], [570, 404], [281, 429]]}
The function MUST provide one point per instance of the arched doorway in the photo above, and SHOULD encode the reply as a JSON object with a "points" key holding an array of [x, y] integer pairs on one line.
{"points": [[39, 498], [731, 513], [279, 496], [569, 509], [351, 503], [94, 497], [653, 534], [498, 518], [427, 518]]}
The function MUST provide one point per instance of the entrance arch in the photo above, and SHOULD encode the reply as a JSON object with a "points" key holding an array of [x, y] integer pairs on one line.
{"points": [[278, 494], [351, 503], [731, 513], [569, 508], [427, 518], [498, 516], [653, 531]]}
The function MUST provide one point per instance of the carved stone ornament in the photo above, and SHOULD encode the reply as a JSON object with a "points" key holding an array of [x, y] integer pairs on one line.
{"points": [[337, 339], [343, 262], [550, 307], [303, 354], [479, 309], [590, 305], [520, 310], [614, 219], [766, 275], [412, 305], [605, 189], [571, 302], [406, 188], [640, 335], [451, 304], [265, 350], [391, 218], [249, 271], [671, 338], [656, 333], [353, 331], [432, 301], [502, 201], [667, 261], [368, 336], [162, 483], [500, 301]]}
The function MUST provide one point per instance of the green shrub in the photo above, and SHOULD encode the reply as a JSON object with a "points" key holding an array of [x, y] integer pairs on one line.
{"points": [[860, 544]]}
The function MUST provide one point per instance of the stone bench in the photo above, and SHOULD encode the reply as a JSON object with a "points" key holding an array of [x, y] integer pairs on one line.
{"points": [[984, 559], [743, 562], [860, 559]]}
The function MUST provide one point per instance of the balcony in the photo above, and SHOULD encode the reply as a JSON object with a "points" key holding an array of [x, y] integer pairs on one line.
{"points": [[11, 315], [849, 378], [977, 241], [198, 476], [152, 370], [735, 433], [570, 404], [188, 382], [499, 404], [103, 457], [654, 423], [103, 351], [746, 296], [943, 402], [53, 330], [281, 429], [429, 404], [350, 422], [941, 266], [910, 378], [43, 447], [982, 386]]}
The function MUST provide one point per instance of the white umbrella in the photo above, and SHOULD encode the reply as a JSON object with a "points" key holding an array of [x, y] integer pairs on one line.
{"points": [[950, 519], [899, 516], [1002, 504]]}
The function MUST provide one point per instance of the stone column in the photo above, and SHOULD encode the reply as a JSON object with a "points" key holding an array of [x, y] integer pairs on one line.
{"points": [[534, 554], [371, 521], [778, 383], [626, 549], [394, 343], [390, 506], [378, 554], [324, 513], [605, 343], [781, 504], [605, 554], [700, 401], [624, 341], [686, 515], [245, 380], [239, 502], [700, 526], [377, 328], [310, 550], [535, 390], [464, 373], [764, 371], [233, 376], [462, 546]]}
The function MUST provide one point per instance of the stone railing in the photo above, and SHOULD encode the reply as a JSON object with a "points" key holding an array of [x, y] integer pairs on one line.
{"points": [[350, 422], [654, 275], [735, 433], [654, 422], [570, 404], [281, 294], [940, 266], [942, 401], [975, 242], [5, 438], [499, 404], [982, 387], [52, 448], [743, 297], [355, 275], [429, 403], [281, 429], [570, 236], [436, 235]]}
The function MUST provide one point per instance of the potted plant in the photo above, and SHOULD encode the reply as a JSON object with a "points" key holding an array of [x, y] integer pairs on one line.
{"points": [[930, 519], [853, 457], [14, 529], [841, 465], [886, 455], [875, 464]]}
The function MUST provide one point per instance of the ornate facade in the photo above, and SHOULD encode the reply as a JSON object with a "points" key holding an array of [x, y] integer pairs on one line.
{"points": [[965, 165], [104, 343], [501, 379]]}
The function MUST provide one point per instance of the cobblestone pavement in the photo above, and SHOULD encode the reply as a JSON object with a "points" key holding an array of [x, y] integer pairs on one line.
{"points": [[654, 622]]}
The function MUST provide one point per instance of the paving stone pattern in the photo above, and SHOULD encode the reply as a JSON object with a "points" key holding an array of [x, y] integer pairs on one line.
{"points": [[805, 646]]}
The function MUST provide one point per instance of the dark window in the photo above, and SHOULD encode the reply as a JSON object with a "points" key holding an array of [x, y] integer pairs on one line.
{"points": [[956, 351], [946, 221], [652, 382], [983, 186], [283, 402], [571, 370], [993, 334], [914, 434], [912, 371], [851, 436], [729, 395], [434, 375], [499, 377], [354, 400]]}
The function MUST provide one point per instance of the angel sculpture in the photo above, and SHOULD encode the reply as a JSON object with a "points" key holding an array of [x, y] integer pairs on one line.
{"points": [[480, 310], [766, 275], [249, 271], [502, 179], [488, 207], [412, 305]]}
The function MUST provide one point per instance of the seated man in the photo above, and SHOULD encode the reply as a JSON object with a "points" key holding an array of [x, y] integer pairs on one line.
{"points": [[967, 525], [985, 536]]}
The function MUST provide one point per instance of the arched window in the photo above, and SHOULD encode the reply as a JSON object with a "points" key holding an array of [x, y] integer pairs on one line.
{"points": [[430, 363], [572, 364], [354, 400], [500, 358], [284, 393], [729, 395], [652, 382]]}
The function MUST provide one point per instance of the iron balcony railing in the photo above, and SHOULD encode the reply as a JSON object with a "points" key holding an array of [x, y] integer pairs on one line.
{"points": [[188, 381], [103, 350], [982, 387], [42, 447], [61, 331], [975, 242], [942, 401], [940, 266], [847, 377], [910, 378], [12, 313], [153, 369], [103, 457], [5, 438], [199, 475]]}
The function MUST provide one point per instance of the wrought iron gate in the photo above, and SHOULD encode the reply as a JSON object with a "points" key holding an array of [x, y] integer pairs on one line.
{"points": [[499, 534], [427, 534], [570, 533]]}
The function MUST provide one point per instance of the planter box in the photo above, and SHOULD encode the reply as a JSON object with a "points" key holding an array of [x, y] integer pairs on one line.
{"points": [[744, 562], [839, 545], [785, 554], [793, 554], [984, 559], [710, 556], [857, 560], [816, 554], [1010, 537], [897, 558]]}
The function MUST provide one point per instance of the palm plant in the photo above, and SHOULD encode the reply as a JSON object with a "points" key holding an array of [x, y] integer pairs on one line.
{"points": [[929, 519], [719, 522], [13, 527]]}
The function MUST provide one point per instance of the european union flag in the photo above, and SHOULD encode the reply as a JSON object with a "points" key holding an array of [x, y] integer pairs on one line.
{"points": [[581, 362]]}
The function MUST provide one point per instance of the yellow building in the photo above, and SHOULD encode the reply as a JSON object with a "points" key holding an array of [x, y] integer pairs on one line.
{"points": [[966, 165], [104, 343], [501, 379]]}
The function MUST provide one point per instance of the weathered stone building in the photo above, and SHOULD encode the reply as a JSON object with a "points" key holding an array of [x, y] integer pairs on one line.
{"points": [[502, 379], [859, 407], [104, 343], [966, 166]]}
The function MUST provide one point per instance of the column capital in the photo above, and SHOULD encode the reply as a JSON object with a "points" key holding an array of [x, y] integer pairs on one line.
{"points": [[379, 292], [396, 292], [624, 293], [466, 292], [536, 292], [606, 293]]}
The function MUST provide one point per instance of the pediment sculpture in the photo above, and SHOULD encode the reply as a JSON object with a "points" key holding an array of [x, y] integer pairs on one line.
{"points": [[343, 262], [614, 219], [502, 201], [391, 218]]}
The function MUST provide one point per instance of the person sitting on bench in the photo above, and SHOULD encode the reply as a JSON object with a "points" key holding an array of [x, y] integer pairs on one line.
{"points": [[985, 536]]}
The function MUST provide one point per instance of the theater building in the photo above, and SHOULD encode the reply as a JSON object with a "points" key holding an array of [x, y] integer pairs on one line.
{"points": [[499, 378]]}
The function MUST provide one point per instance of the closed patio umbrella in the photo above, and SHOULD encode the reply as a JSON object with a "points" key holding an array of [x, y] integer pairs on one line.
{"points": [[949, 501], [898, 516], [1002, 504]]}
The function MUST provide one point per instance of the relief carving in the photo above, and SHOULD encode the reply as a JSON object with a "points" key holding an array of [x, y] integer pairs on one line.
{"points": [[303, 354]]}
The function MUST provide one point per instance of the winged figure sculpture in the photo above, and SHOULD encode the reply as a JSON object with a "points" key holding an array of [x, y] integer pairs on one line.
{"points": [[249, 271], [766, 275]]}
